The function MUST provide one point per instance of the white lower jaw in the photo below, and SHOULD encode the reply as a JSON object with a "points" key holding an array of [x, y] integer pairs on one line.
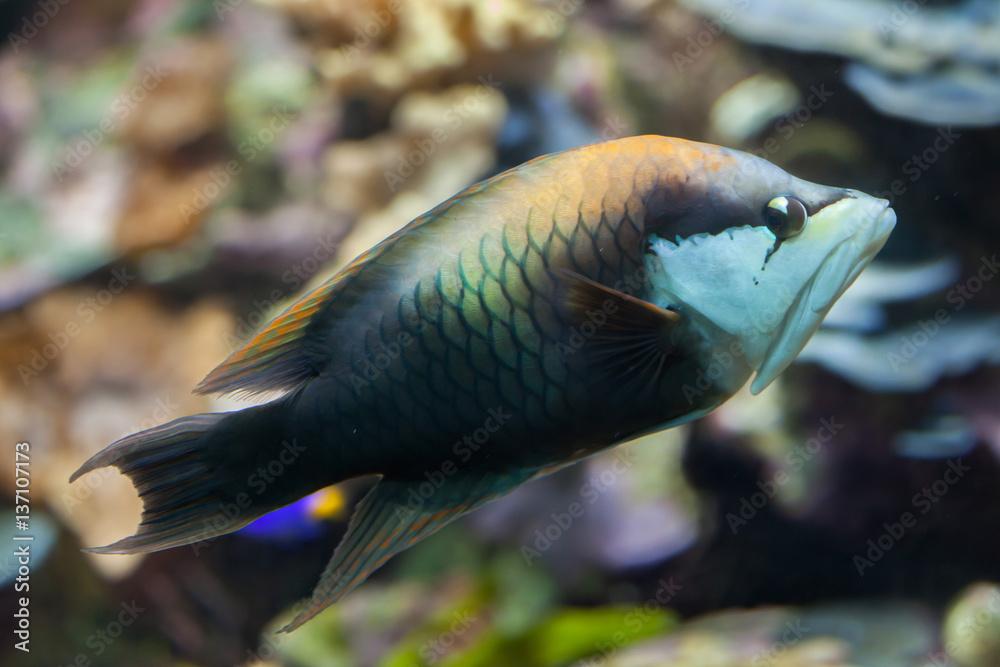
{"points": [[806, 314], [837, 273]]}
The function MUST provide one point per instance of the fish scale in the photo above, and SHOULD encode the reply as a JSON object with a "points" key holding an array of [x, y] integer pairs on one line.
{"points": [[514, 264], [520, 347]]}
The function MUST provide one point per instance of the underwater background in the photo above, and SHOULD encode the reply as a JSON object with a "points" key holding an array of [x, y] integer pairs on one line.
{"points": [[173, 171]]}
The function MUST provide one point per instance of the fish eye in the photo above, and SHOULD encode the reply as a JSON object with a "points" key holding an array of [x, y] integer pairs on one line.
{"points": [[785, 216]]}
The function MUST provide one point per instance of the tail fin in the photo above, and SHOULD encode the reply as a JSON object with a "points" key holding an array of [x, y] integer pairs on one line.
{"points": [[210, 474]]}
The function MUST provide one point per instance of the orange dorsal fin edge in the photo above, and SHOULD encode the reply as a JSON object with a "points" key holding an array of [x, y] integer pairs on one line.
{"points": [[274, 358], [277, 357]]}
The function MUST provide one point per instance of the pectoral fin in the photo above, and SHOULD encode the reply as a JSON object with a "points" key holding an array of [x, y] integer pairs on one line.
{"points": [[627, 339], [395, 515]]}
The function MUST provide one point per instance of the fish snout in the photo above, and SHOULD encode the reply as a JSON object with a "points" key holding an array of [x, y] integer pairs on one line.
{"points": [[877, 232], [840, 268], [885, 222]]}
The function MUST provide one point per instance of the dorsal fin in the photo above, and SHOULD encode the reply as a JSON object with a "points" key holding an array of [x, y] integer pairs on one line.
{"points": [[277, 357]]}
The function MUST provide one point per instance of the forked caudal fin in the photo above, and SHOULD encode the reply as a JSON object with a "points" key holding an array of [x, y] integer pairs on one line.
{"points": [[394, 516], [196, 475]]}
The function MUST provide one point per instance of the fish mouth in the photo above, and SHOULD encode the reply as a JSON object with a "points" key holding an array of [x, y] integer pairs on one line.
{"points": [[835, 274]]}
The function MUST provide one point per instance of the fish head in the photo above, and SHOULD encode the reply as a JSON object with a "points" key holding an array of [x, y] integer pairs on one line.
{"points": [[758, 258]]}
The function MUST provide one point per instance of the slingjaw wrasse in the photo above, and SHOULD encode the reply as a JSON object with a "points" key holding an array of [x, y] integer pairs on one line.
{"points": [[539, 316]]}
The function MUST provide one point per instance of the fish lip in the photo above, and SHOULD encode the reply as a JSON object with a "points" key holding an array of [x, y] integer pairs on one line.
{"points": [[878, 234], [806, 312], [882, 228], [863, 245]]}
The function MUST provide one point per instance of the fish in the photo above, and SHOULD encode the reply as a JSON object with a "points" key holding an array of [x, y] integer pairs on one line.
{"points": [[572, 303]]}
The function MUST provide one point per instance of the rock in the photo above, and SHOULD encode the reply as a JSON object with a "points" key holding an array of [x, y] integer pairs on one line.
{"points": [[971, 630]]}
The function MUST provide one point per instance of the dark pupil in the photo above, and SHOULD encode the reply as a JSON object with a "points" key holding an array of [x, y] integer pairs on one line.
{"points": [[787, 224]]}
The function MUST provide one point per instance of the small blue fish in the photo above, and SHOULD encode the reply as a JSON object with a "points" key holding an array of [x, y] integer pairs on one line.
{"points": [[301, 520]]}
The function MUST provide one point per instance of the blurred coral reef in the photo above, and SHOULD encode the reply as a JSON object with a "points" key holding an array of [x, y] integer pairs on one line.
{"points": [[173, 171]]}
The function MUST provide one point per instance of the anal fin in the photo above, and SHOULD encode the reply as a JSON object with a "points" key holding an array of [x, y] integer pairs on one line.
{"points": [[392, 517]]}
